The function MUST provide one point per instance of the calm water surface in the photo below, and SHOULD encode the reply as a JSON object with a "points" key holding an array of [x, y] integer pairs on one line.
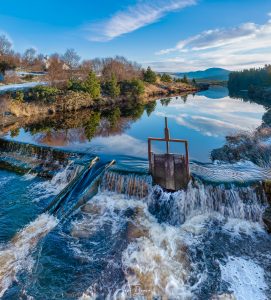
{"points": [[203, 119]]}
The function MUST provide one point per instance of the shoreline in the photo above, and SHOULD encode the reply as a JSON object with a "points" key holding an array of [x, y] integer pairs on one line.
{"points": [[16, 112]]}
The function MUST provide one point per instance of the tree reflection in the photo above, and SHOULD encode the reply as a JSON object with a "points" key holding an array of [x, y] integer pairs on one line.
{"points": [[91, 125], [165, 101], [150, 107], [84, 125]]}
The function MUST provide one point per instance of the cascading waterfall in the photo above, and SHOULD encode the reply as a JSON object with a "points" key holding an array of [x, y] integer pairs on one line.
{"points": [[134, 185], [176, 240], [247, 203], [155, 258]]}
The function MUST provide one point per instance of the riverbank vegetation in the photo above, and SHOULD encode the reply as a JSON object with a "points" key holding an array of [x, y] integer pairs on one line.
{"points": [[256, 82], [253, 85], [69, 83]]}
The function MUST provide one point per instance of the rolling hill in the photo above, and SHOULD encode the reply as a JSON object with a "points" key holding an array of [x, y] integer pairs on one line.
{"points": [[209, 74]]}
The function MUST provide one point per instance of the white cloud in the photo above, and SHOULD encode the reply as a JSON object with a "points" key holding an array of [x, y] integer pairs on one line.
{"points": [[134, 17], [246, 45]]}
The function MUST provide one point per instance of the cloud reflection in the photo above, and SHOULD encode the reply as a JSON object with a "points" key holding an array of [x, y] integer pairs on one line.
{"points": [[214, 117]]}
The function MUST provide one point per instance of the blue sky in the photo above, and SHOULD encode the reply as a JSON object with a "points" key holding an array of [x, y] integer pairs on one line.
{"points": [[169, 35]]}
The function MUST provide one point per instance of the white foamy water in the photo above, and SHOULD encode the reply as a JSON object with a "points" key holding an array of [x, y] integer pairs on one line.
{"points": [[156, 262], [15, 256], [49, 188], [245, 277], [245, 203], [236, 227]]}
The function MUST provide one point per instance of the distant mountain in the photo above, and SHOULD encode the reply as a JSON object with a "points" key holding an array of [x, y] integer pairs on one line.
{"points": [[209, 74]]}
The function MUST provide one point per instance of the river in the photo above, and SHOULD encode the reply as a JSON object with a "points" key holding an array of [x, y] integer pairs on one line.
{"points": [[207, 242]]}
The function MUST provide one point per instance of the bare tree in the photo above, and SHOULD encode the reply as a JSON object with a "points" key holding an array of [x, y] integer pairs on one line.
{"points": [[56, 73], [5, 45], [121, 68], [71, 58], [85, 67], [29, 56], [97, 65]]}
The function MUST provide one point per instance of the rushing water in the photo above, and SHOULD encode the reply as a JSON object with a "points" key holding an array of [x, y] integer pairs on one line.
{"points": [[132, 240]]}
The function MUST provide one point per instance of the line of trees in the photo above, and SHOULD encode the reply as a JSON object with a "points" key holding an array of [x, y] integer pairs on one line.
{"points": [[107, 77], [250, 79]]}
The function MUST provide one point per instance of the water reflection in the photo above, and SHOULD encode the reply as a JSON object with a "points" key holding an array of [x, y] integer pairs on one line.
{"points": [[204, 119]]}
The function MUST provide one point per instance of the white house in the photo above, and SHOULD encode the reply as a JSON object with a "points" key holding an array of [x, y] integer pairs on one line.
{"points": [[47, 62]]}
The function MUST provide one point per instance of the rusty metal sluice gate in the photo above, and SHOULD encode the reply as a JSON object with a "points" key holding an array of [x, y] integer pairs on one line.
{"points": [[169, 170]]}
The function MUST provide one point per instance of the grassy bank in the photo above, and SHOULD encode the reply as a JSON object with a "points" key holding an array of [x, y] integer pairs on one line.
{"points": [[49, 100]]}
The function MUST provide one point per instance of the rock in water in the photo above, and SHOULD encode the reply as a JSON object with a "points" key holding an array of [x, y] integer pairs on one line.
{"points": [[267, 218]]}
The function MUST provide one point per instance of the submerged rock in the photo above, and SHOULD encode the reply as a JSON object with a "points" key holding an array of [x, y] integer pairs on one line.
{"points": [[254, 147], [267, 218], [267, 189]]}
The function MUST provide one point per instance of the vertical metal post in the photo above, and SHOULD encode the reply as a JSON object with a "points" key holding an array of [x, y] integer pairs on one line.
{"points": [[149, 152], [187, 160], [167, 135]]}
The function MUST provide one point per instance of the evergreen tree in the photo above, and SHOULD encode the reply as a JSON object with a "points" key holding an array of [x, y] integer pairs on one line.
{"points": [[133, 88], [92, 85], [150, 76], [250, 79], [166, 78], [185, 80], [112, 88], [137, 87]]}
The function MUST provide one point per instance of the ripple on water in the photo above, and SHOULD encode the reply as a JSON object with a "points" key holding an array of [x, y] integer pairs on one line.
{"points": [[242, 172]]}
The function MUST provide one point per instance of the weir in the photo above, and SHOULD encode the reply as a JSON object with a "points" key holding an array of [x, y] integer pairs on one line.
{"points": [[80, 190], [40, 160], [130, 184], [228, 201]]}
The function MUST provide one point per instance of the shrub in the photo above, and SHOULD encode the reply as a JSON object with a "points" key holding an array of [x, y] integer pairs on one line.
{"points": [[45, 91], [132, 88], [19, 96], [5, 65], [75, 85], [150, 76], [166, 78], [42, 93]]}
